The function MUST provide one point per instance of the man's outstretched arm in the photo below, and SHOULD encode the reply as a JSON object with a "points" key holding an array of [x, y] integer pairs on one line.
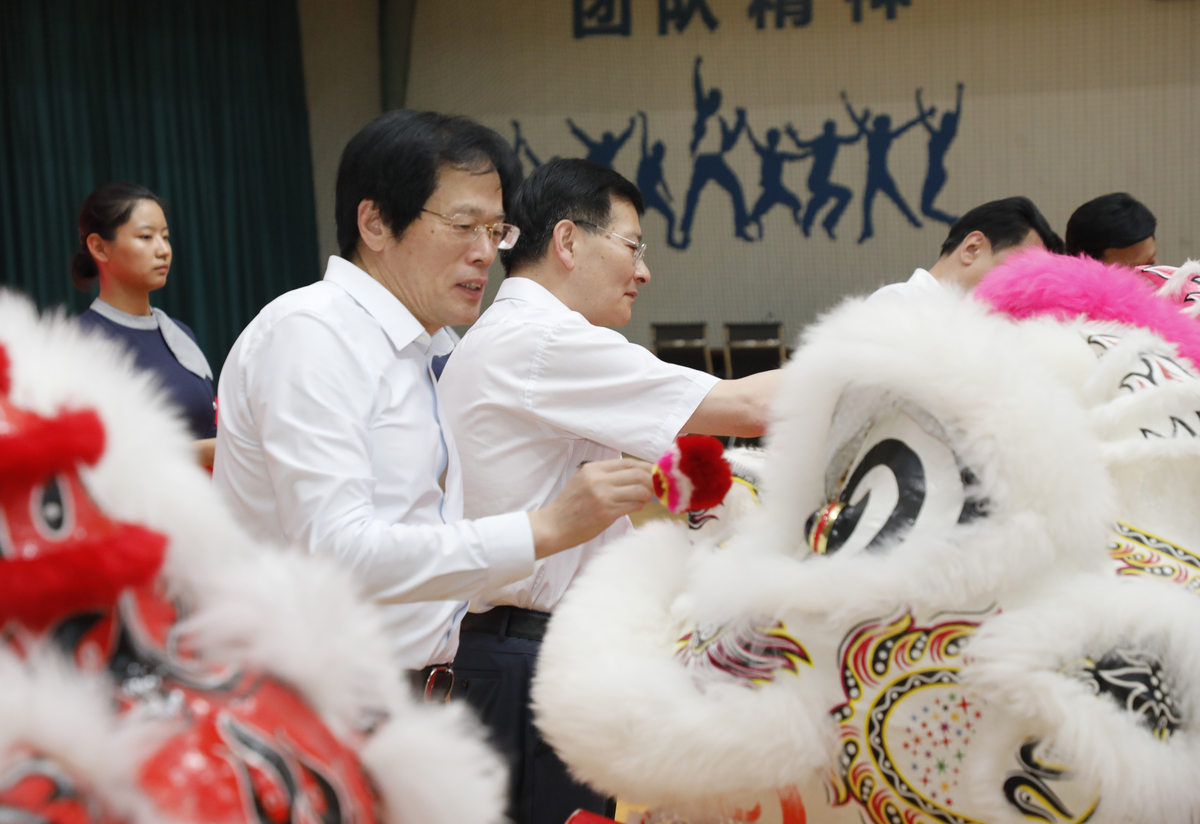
{"points": [[740, 408]]}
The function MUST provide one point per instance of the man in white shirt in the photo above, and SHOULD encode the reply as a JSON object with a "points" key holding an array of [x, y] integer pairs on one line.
{"points": [[978, 242], [538, 387], [331, 435]]}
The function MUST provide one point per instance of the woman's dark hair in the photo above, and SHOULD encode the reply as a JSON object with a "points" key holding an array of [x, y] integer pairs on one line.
{"points": [[394, 161], [1109, 222], [105, 210]]}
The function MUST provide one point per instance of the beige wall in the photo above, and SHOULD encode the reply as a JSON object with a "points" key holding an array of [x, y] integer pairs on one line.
{"points": [[1065, 100], [340, 40]]}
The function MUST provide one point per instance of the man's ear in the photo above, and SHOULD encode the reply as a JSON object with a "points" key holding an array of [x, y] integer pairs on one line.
{"points": [[371, 229], [973, 246], [563, 240], [96, 246]]}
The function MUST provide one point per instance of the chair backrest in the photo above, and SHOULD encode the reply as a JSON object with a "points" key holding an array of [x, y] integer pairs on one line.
{"points": [[685, 344], [753, 347]]}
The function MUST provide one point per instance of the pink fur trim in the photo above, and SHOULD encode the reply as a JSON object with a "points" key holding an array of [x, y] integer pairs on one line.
{"points": [[1037, 283]]}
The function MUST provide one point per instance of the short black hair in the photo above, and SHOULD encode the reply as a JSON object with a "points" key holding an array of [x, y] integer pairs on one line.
{"points": [[104, 211], [563, 189], [395, 159], [1108, 222], [1005, 223]]}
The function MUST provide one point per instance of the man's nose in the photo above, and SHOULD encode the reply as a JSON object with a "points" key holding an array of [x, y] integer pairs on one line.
{"points": [[482, 250], [641, 272]]}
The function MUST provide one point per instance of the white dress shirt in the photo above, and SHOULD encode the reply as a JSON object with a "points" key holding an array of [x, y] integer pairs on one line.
{"points": [[533, 391], [921, 283], [330, 439]]}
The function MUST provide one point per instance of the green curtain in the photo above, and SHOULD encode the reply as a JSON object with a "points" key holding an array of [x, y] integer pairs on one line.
{"points": [[203, 102]]}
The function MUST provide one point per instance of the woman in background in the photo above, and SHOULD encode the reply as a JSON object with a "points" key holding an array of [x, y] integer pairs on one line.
{"points": [[124, 244]]}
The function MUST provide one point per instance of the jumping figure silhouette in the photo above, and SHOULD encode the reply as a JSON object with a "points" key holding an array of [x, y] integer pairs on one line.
{"points": [[520, 144], [604, 150], [824, 152], [652, 183], [771, 179], [711, 165], [879, 179], [939, 143]]}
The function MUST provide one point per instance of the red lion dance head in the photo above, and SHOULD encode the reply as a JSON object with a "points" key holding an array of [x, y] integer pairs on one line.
{"points": [[157, 665]]}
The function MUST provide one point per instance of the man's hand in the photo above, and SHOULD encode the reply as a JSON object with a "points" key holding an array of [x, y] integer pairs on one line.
{"points": [[594, 497], [205, 448]]}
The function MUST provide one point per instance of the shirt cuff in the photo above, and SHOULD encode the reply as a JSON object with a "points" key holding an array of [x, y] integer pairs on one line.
{"points": [[508, 544], [702, 384]]}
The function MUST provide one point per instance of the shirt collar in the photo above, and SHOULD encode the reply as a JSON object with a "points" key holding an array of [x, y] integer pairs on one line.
{"points": [[399, 324], [527, 289], [925, 280], [120, 318]]}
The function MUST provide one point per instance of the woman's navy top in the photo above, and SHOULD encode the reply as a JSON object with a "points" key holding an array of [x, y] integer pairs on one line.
{"points": [[191, 393]]}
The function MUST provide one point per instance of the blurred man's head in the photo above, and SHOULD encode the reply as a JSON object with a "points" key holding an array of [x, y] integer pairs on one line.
{"points": [[420, 206], [982, 238], [1113, 228], [581, 238]]}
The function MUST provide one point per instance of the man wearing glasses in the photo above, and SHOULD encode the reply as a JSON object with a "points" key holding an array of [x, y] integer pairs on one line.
{"points": [[330, 434], [538, 388]]}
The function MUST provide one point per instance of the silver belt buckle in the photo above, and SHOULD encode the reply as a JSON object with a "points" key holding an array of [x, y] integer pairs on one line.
{"points": [[438, 685]]}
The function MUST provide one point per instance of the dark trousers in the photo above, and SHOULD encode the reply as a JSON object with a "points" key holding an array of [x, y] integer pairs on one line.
{"points": [[492, 672]]}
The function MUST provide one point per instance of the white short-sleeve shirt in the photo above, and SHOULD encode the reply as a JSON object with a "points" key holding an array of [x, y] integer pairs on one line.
{"points": [[534, 390], [921, 284], [330, 439]]}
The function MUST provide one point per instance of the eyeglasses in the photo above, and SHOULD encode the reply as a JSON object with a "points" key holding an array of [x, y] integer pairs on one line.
{"points": [[639, 248], [502, 235]]}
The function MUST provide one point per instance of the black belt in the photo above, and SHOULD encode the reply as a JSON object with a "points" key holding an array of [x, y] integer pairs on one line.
{"points": [[511, 621], [433, 683]]}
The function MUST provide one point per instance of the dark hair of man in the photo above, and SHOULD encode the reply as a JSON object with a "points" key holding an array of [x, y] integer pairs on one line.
{"points": [[1005, 223], [105, 210], [395, 159], [1108, 222], [563, 189]]}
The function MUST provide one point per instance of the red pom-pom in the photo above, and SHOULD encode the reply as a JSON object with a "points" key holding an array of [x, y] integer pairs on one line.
{"points": [[702, 460], [693, 474]]}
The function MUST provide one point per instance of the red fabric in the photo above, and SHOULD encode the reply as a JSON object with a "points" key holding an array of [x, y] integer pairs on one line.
{"points": [[702, 460], [584, 817], [1038, 282], [88, 575], [36, 447]]}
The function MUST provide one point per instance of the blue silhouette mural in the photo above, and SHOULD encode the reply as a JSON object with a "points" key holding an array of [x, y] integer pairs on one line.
{"points": [[939, 143], [652, 182], [604, 150], [711, 165], [774, 192], [713, 138], [879, 179], [520, 144], [824, 148]]}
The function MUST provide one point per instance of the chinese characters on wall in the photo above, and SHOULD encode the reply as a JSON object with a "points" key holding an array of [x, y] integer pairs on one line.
{"points": [[614, 17]]}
